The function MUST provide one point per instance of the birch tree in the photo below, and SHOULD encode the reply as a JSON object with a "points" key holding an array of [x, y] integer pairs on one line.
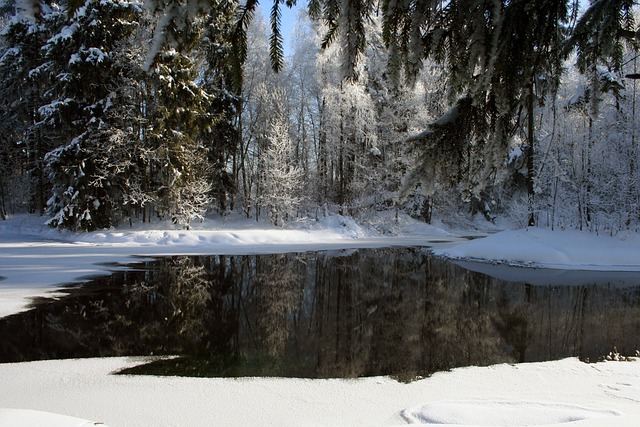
{"points": [[282, 178]]}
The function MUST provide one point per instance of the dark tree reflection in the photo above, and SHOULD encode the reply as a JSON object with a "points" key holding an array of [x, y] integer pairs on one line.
{"points": [[331, 314]]}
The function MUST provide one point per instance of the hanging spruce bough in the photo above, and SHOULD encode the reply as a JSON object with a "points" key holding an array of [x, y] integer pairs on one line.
{"points": [[245, 14], [445, 156], [496, 53], [599, 39], [499, 54], [601, 32]]}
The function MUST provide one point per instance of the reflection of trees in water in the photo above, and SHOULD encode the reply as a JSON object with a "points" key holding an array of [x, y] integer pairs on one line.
{"points": [[176, 305], [587, 319], [456, 320], [279, 287], [403, 314], [329, 314]]}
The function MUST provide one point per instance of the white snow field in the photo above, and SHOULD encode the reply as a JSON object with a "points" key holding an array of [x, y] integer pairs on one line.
{"points": [[562, 393], [30, 418], [566, 250], [36, 260]]}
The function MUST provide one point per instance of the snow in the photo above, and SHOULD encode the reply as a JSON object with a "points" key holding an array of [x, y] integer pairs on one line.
{"points": [[67, 32], [35, 260], [449, 117], [92, 55], [29, 418], [515, 154], [501, 413], [566, 392], [26, 10], [565, 250]]}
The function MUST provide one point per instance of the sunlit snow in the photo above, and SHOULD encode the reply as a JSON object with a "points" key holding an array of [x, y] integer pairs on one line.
{"points": [[562, 393]]}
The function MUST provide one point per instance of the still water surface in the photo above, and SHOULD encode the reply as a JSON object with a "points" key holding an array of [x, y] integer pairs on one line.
{"points": [[399, 312]]}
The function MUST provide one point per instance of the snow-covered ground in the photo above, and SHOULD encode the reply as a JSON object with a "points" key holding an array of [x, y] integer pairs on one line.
{"points": [[566, 392], [34, 260], [564, 250]]}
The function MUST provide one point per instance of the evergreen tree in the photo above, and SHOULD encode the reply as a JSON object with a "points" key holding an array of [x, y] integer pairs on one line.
{"points": [[21, 64], [180, 175], [87, 79], [223, 140], [190, 111]]}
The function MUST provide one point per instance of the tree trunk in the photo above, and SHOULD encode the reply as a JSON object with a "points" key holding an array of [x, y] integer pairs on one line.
{"points": [[322, 161], [531, 222]]}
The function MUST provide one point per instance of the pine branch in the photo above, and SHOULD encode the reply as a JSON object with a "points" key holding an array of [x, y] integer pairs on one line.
{"points": [[240, 33], [330, 36], [276, 50], [315, 9], [332, 12], [239, 42], [597, 34]]}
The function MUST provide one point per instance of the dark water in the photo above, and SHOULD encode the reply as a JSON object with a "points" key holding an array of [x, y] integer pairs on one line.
{"points": [[397, 312]]}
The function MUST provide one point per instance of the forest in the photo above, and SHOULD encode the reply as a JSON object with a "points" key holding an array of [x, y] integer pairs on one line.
{"points": [[113, 111]]}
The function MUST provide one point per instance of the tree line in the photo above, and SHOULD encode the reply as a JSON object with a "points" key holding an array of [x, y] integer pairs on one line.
{"points": [[125, 110]]}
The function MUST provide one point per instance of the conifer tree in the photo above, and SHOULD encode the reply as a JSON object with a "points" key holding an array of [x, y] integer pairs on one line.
{"points": [[177, 157], [87, 83], [181, 118], [224, 106], [23, 90]]}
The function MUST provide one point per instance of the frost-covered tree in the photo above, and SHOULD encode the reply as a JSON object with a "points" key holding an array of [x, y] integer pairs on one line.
{"points": [[305, 94], [278, 179], [282, 178], [586, 175], [349, 129], [258, 105]]}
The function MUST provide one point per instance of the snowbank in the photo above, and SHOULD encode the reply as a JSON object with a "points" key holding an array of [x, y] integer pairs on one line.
{"points": [[550, 393], [568, 250], [30, 418]]}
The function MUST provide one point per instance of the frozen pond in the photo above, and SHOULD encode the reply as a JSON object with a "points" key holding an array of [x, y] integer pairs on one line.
{"points": [[399, 312]]}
